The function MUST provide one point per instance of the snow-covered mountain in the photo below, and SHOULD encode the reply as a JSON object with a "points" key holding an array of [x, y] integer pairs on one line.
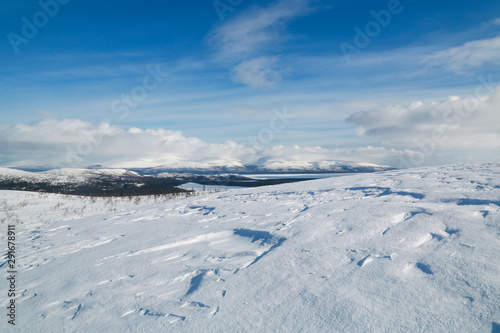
{"points": [[400, 251], [105, 181], [67, 175], [272, 166], [119, 182], [263, 165]]}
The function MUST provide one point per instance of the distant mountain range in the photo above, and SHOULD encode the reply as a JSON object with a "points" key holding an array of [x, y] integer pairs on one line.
{"points": [[274, 169], [159, 180]]}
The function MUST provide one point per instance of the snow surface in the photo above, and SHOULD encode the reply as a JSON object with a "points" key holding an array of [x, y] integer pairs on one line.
{"points": [[201, 187], [402, 251], [296, 175]]}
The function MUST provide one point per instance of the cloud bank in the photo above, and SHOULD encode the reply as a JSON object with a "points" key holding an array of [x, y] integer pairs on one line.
{"points": [[454, 129], [455, 126], [75, 143]]}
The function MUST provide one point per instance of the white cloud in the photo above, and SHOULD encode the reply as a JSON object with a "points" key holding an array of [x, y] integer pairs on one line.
{"points": [[467, 126], [470, 55], [72, 142], [250, 39], [496, 21], [76, 143], [450, 130], [249, 33], [257, 72]]}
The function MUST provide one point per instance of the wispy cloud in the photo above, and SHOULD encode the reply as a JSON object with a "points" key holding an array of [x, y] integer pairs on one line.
{"points": [[257, 72], [251, 41], [470, 55], [251, 32]]}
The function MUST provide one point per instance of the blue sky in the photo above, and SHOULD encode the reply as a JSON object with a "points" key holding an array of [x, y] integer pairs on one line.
{"points": [[224, 66]]}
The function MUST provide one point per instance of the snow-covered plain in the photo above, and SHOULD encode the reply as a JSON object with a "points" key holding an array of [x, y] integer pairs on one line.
{"points": [[401, 251]]}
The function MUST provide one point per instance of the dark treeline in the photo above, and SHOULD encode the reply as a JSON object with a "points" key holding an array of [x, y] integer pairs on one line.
{"points": [[119, 187], [254, 182], [102, 188]]}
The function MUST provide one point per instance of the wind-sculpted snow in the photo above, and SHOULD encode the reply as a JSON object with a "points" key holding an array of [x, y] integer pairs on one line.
{"points": [[400, 251]]}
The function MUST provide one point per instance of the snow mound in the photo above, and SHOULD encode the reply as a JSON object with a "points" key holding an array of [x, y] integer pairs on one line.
{"points": [[401, 251]]}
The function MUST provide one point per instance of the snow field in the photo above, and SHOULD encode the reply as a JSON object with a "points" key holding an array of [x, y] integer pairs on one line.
{"points": [[401, 251]]}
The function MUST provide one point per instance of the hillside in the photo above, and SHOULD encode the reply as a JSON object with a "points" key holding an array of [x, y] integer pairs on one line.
{"points": [[120, 182], [398, 251]]}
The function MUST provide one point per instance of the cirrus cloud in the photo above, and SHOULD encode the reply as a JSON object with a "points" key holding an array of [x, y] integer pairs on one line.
{"points": [[467, 56], [256, 29]]}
